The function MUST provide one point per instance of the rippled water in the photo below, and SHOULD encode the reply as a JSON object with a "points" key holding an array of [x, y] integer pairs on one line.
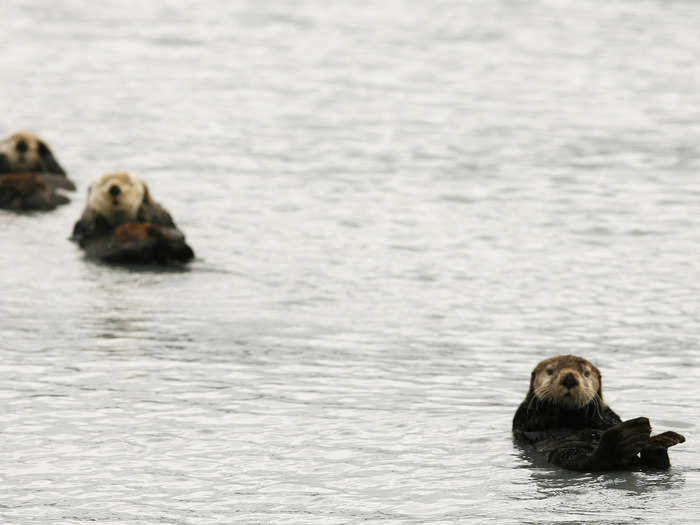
{"points": [[398, 208]]}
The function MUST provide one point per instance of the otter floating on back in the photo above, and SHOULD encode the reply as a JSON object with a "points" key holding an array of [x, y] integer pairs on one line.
{"points": [[565, 418], [123, 224], [30, 175]]}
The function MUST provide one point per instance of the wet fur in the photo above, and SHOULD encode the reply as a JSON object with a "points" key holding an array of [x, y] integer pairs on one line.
{"points": [[30, 176], [129, 227], [579, 431], [134, 204], [25, 152], [140, 243]]}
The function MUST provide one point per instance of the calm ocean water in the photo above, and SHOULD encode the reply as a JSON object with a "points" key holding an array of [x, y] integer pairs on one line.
{"points": [[398, 208]]}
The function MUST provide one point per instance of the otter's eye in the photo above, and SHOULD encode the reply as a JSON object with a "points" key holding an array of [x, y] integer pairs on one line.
{"points": [[550, 371], [587, 373]]}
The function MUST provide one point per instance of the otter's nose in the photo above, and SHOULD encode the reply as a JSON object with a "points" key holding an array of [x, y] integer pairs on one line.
{"points": [[569, 381], [21, 146], [114, 190]]}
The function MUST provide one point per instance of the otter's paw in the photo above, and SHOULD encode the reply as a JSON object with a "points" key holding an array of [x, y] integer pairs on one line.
{"points": [[666, 439], [621, 443], [655, 454]]}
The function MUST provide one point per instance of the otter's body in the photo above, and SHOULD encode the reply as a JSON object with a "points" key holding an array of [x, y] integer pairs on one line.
{"points": [[122, 224], [30, 175], [140, 243], [33, 191], [565, 418]]}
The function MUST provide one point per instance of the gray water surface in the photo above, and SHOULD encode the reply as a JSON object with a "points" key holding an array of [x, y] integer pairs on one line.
{"points": [[398, 208]]}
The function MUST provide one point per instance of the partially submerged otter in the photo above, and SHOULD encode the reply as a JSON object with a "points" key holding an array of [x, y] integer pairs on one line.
{"points": [[30, 175], [123, 224], [564, 416]]}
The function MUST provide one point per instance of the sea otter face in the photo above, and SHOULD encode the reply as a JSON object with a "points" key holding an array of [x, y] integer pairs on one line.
{"points": [[117, 197], [25, 152], [566, 380]]}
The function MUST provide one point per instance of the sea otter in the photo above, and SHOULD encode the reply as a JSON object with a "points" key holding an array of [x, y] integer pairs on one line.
{"points": [[564, 417], [123, 224], [25, 152], [30, 175]]}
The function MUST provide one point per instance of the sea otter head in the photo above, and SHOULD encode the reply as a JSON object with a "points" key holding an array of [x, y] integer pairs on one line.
{"points": [[24, 152], [566, 380], [118, 197]]}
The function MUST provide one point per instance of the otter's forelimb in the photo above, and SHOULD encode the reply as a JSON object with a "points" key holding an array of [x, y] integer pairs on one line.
{"points": [[617, 448], [655, 453]]}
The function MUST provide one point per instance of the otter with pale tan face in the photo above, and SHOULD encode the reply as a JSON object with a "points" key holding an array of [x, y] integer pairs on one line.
{"points": [[565, 417], [30, 176], [122, 223], [25, 152], [572, 381], [118, 198]]}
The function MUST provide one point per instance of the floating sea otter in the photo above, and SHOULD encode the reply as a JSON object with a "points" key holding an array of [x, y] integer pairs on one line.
{"points": [[564, 416], [122, 224], [30, 175]]}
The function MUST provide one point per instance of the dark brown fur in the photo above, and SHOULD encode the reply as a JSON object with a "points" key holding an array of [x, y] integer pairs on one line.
{"points": [[135, 231], [152, 237], [140, 243], [30, 175], [32, 191], [586, 435]]}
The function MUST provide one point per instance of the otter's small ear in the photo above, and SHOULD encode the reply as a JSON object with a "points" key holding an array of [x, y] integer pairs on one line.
{"points": [[532, 381], [600, 382]]}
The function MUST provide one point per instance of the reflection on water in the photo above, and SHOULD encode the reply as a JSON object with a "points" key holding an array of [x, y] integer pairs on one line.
{"points": [[399, 209]]}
